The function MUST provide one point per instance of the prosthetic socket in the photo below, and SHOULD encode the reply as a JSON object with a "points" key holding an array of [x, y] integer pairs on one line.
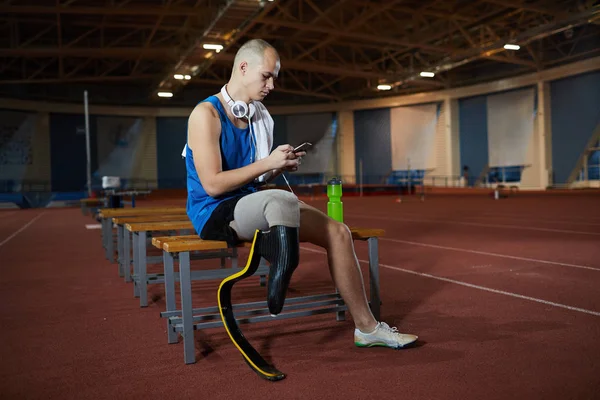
{"points": [[280, 246]]}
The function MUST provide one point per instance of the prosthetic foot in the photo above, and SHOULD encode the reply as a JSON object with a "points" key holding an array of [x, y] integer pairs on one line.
{"points": [[251, 356], [280, 246]]}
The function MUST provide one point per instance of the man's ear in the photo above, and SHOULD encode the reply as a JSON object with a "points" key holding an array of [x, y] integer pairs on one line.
{"points": [[244, 67]]}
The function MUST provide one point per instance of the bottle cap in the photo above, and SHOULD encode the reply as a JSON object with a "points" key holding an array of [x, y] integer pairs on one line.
{"points": [[334, 181]]}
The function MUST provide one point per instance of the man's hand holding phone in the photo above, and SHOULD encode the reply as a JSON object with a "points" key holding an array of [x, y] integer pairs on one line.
{"points": [[287, 158], [302, 148]]}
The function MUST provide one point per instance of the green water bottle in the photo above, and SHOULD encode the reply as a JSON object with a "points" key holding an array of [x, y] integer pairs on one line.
{"points": [[335, 207]]}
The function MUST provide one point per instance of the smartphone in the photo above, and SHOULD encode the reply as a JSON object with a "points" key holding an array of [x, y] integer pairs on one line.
{"points": [[303, 147]]}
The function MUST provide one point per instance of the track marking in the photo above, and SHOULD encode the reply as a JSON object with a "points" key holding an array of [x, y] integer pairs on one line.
{"points": [[559, 219], [21, 229], [478, 287], [487, 289], [534, 219], [485, 253], [513, 218], [475, 224]]}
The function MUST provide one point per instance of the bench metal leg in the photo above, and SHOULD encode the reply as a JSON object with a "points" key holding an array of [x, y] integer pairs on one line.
{"points": [[234, 257], [169, 293], [141, 273], [374, 276], [110, 245], [340, 315], [120, 229], [127, 255], [185, 285], [135, 255], [105, 229]]}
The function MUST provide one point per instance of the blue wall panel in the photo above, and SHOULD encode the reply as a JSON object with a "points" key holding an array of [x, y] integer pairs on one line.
{"points": [[373, 144], [472, 114], [171, 136], [575, 113], [68, 159]]}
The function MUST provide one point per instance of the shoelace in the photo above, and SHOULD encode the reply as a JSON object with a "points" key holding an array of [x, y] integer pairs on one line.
{"points": [[388, 328]]}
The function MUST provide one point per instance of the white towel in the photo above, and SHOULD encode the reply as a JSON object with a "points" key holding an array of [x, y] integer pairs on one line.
{"points": [[262, 128]]}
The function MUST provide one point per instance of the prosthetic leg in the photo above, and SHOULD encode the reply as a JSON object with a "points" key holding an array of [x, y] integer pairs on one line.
{"points": [[279, 246]]}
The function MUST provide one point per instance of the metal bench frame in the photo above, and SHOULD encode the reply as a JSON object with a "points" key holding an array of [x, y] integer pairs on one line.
{"points": [[188, 319]]}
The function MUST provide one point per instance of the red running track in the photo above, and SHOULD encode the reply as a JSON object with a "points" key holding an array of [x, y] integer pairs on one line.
{"points": [[503, 294]]}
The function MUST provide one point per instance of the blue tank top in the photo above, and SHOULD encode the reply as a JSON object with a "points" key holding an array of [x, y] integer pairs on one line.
{"points": [[237, 151]]}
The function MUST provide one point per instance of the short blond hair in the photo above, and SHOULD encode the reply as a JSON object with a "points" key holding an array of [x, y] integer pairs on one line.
{"points": [[252, 51]]}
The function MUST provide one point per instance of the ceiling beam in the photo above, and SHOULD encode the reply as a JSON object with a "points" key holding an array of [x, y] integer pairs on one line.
{"points": [[107, 24], [129, 10], [79, 79], [356, 36], [277, 89], [167, 53], [331, 69], [350, 25], [528, 7]]}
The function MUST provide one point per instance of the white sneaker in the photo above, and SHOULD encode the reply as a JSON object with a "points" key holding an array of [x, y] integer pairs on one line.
{"points": [[384, 336]]}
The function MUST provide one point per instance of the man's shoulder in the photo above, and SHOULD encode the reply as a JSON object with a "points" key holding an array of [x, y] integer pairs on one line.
{"points": [[204, 109]]}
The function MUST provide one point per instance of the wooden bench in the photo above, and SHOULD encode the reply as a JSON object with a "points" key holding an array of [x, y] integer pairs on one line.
{"points": [[106, 214], [140, 231], [188, 319], [124, 236], [90, 204]]}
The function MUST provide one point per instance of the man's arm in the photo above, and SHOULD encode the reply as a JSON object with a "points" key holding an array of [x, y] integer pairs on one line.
{"points": [[204, 130], [274, 175]]}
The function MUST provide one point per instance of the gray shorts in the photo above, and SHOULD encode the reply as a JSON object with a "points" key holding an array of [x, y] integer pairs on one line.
{"points": [[264, 209]]}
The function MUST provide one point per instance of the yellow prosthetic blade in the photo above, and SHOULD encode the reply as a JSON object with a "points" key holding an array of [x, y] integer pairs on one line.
{"points": [[251, 356]]}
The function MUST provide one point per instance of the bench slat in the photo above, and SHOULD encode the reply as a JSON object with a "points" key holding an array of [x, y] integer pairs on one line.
{"points": [[366, 233], [151, 218], [158, 226], [138, 211], [159, 240], [194, 245], [175, 244]]}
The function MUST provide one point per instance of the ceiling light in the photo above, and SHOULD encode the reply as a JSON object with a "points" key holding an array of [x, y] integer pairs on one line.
{"points": [[509, 46], [384, 87], [209, 46], [426, 74], [178, 76], [187, 77], [165, 94]]}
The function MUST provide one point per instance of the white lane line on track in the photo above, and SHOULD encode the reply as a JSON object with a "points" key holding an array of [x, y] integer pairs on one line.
{"points": [[524, 220], [485, 253], [478, 287], [21, 229]]}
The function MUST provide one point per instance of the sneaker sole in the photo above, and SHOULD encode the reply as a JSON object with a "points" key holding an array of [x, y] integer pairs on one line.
{"points": [[380, 344]]}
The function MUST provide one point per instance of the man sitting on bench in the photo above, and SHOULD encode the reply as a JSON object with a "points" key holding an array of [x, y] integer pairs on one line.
{"points": [[228, 155]]}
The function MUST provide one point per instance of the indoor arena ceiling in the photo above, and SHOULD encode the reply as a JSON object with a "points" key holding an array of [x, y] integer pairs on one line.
{"points": [[126, 51]]}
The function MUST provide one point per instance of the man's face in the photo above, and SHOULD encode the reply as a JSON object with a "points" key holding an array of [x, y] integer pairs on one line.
{"points": [[260, 74]]}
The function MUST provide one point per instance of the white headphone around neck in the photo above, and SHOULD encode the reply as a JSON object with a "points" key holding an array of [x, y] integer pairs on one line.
{"points": [[239, 109]]}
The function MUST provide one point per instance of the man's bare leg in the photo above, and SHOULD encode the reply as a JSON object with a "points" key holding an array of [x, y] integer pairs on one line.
{"points": [[317, 228]]}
